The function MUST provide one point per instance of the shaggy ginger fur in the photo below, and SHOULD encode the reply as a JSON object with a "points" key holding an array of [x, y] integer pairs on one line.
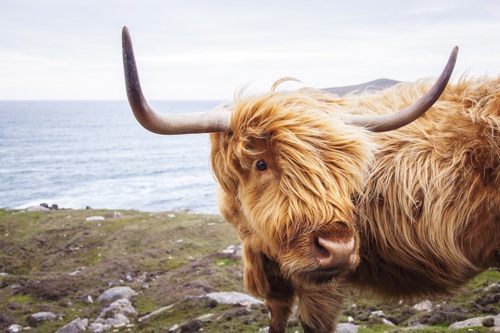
{"points": [[421, 203], [429, 214]]}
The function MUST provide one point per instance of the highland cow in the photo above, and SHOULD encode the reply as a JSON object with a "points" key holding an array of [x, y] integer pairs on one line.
{"points": [[330, 192]]}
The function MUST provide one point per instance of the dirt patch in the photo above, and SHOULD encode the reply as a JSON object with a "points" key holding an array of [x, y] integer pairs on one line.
{"points": [[52, 289]]}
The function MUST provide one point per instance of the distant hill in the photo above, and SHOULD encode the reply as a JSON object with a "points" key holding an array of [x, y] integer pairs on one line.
{"points": [[375, 85]]}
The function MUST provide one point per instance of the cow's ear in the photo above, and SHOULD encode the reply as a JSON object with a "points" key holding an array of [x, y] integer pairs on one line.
{"points": [[254, 276]]}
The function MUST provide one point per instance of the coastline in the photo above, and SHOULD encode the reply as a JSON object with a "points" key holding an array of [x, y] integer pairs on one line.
{"points": [[44, 207]]}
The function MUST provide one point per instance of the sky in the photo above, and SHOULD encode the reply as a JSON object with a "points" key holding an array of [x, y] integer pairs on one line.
{"points": [[71, 50]]}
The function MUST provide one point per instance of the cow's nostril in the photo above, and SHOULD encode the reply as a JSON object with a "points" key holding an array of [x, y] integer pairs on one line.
{"points": [[319, 250], [333, 254]]}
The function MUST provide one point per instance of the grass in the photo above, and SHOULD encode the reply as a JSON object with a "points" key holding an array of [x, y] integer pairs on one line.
{"points": [[41, 249], [169, 258]]}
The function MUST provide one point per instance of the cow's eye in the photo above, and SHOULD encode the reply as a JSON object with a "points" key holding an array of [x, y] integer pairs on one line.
{"points": [[261, 165]]}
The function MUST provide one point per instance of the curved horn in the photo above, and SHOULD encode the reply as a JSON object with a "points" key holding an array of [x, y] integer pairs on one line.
{"points": [[388, 122], [203, 122]]}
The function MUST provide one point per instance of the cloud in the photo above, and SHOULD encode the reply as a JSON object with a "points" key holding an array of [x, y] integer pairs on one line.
{"points": [[58, 49]]}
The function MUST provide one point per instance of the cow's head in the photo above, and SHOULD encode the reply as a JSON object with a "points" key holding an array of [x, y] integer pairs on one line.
{"points": [[289, 169]]}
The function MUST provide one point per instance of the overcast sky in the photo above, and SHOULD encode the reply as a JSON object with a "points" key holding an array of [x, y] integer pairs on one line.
{"points": [[67, 49]]}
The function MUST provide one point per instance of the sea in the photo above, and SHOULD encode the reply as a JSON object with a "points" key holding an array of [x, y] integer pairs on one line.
{"points": [[78, 154]]}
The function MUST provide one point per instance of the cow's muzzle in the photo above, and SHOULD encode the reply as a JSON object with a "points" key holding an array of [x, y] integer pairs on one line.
{"points": [[334, 256], [334, 248]]}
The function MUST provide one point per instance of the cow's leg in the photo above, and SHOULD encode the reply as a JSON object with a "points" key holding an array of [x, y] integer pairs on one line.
{"points": [[263, 279], [279, 299], [319, 307], [280, 311]]}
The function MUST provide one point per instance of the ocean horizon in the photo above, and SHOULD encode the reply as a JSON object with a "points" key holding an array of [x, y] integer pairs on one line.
{"points": [[78, 154]]}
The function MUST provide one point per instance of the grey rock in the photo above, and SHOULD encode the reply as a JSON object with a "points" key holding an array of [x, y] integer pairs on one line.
{"points": [[95, 218], [423, 306], [14, 328], [120, 306], [116, 293], [233, 251], [119, 320], [416, 327], [87, 299], [76, 326], [377, 314], [387, 322], [76, 271], [99, 327], [205, 317], [174, 328], [155, 313], [478, 321], [491, 286], [41, 316], [347, 328], [381, 315], [117, 215], [234, 298], [37, 209]]}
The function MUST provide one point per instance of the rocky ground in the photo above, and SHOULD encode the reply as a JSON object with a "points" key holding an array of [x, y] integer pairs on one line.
{"points": [[126, 271]]}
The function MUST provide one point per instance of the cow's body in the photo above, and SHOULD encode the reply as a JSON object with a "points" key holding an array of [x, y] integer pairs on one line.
{"points": [[327, 192], [429, 216], [425, 199]]}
